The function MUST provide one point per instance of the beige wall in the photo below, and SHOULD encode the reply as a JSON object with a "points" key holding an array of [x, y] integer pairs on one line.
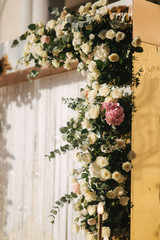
{"points": [[146, 135], [10, 19]]}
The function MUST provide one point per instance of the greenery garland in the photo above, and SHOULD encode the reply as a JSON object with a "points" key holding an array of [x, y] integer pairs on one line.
{"points": [[101, 40]]}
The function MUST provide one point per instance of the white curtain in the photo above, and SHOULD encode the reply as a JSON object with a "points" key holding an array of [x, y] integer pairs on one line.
{"points": [[31, 115]]}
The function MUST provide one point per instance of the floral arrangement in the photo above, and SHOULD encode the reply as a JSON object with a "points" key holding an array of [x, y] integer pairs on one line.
{"points": [[101, 40]]}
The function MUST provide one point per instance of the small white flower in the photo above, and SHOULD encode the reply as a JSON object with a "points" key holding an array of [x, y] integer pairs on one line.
{"points": [[114, 57], [55, 63], [119, 191], [120, 36], [92, 94], [91, 209], [110, 34], [136, 41], [106, 231], [91, 36], [105, 174], [67, 66], [124, 201], [75, 228], [102, 161], [116, 176], [131, 155], [126, 166], [111, 195]]}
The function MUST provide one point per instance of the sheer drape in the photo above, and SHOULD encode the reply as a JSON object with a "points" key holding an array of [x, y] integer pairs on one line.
{"points": [[31, 115]]}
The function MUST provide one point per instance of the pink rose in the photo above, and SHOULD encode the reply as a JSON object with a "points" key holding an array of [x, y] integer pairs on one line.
{"points": [[113, 112], [76, 188], [45, 39]]}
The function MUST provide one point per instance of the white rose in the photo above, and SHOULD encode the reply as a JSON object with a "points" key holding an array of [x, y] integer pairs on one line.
{"points": [[94, 111], [124, 201], [104, 90], [89, 236], [120, 36], [92, 137], [94, 170], [109, 99], [102, 34], [92, 66], [110, 34], [105, 174], [69, 55], [92, 94], [95, 74], [86, 48], [105, 216], [101, 52], [102, 161], [106, 231], [131, 155], [76, 42], [120, 143], [55, 63], [114, 57], [116, 176], [40, 24], [84, 190], [40, 31], [91, 36], [119, 191], [91, 209], [75, 228], [86, 124], [51, 24], [117, 92], [136, 41], [77, 35], [88, 5], [82, 10], [86, 157], [111, 195], [32, 38], [90, 196], [121, 180], [91, 221], [76, 206], [126, 166], [103, 10], [84, 212], [95, 85]]}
